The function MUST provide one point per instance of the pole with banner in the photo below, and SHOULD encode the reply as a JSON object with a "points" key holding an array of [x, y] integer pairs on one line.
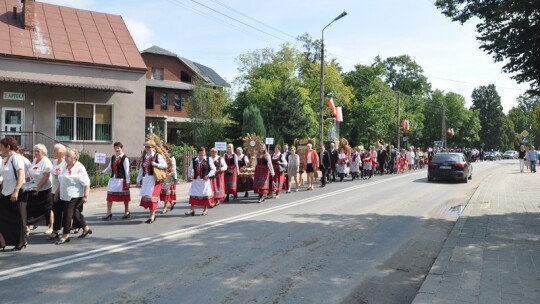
{"points": [[99, 159]]}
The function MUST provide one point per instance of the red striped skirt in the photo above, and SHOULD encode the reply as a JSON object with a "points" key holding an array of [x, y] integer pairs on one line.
{"points": [[261, 179]]}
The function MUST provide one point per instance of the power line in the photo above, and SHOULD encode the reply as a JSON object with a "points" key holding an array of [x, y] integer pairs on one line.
{"points": [[239, 21], [251, 18]]}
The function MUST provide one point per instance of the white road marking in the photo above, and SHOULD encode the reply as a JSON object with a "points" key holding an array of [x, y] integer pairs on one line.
{"points": [[92, 254]]}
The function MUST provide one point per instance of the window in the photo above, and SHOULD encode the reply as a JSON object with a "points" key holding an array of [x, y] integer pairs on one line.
{"points": [[164, 101], [177, 102], [157, 73], [185, 77], [78, 121], [149, 100]]}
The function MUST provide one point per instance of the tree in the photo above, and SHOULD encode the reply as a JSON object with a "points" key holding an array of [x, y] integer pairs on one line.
{"points": [[206, 110], [492, 119], [523, 118], [508, 31], [405, 75], [253, 122]]}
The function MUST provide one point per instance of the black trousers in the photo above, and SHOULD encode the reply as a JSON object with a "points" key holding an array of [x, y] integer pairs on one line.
{"points": [[72, 211], [323, 175], [12, 220]]}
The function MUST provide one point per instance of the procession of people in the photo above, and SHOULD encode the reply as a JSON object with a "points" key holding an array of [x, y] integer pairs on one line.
{"points": [[53, 193]]}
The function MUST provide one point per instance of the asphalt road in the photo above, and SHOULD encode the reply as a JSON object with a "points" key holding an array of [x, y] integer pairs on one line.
{"points": [[352, 242]]}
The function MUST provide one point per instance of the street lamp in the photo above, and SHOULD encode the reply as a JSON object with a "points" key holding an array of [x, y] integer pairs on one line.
{"points": [[322, 78]]}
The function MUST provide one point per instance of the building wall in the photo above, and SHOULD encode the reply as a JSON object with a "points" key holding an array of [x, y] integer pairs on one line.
{"points": [[171, 66], [40, 102]]}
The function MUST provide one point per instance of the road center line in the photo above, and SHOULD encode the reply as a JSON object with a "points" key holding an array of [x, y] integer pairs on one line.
{"points": [[95, 253]]}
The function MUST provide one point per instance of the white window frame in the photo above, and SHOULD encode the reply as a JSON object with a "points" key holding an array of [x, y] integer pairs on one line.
{"points": [[75, 139]]}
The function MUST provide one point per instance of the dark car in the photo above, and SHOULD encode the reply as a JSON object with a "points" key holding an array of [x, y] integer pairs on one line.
{"points": [[446, 165]]}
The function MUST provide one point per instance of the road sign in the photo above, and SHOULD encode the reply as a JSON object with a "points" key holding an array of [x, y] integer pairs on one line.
{"points": [[524, 140], [405, 138], [524, 133], [437, 143]]}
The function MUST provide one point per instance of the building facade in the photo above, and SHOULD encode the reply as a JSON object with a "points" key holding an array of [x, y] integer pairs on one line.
{"points": [[69, 75], [169, 87]]}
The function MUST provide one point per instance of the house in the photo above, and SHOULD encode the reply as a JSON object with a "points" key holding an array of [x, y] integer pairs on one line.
{"points": [[70, 75], [169, 86]]}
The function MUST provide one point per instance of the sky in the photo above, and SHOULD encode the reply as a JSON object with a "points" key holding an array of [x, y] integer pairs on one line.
{"points": [[206, 31]]}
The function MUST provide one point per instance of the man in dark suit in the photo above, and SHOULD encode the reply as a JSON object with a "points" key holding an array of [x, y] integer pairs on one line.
{"points": [[324, 165], [334, 158]]}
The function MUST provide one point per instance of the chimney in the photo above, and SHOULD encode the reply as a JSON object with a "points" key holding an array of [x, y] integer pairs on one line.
{"points": [[29, 17]]}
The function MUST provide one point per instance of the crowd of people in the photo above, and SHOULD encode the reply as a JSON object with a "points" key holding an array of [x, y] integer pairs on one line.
{"points": [[217, 179], [52, 193], [41, 193]]}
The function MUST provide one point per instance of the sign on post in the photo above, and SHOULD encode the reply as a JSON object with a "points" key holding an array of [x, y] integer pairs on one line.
{"points": [[269, 141], [220, 145], [100, 158], [524, 133]]}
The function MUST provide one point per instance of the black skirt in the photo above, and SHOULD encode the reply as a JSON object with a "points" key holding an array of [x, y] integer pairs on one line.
{"points": [[309, 168], [39, 208], [12, 220]]}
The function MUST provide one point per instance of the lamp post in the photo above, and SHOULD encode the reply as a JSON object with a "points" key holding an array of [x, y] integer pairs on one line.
{"points": [[321, 118]]}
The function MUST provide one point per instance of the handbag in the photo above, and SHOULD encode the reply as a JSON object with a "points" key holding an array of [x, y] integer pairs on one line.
{"points": [[229, 171], [29, 187], [282, 168], [159, 174]]}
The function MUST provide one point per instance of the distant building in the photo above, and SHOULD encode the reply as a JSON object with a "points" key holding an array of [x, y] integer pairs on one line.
{"points": [[169, 86], [70, 75]]}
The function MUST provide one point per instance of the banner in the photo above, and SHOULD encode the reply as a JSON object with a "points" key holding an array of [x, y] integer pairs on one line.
{"points": [[339, 116], [332, 106], [405, 125]]}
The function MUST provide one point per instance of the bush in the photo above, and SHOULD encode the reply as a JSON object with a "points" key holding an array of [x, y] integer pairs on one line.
{"points": [[178, 153]]}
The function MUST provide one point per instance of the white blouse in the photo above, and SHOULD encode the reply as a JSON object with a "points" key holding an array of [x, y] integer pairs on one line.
{"points": [[73, 181], [37, 170], [10, 182], [57, 168]]}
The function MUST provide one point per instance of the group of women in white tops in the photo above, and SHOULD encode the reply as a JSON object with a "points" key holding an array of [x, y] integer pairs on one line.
{"points": [[41, 193]]}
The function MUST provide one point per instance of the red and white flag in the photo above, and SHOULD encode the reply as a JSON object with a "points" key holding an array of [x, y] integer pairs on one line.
{"points": [[450, 131], [339, 116], [405, 125], [332, 106]]}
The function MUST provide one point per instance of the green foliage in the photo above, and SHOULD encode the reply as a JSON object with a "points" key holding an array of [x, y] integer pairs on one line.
{"points": [[524, 117], [206, 110], [178, 153], [252, 122], [99, 181], [508, 30], [492, 119], [405, 75]]}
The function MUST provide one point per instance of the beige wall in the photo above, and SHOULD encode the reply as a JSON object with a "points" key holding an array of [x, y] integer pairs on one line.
{"points": [[128, 109]]}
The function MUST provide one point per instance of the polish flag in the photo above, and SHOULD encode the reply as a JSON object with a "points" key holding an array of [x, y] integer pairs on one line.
{"points": [[339, 112], [332, 106], [405, 125]]}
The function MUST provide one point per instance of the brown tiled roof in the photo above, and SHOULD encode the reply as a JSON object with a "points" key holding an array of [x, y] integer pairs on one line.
{"points": [[47, 83], [69, 35]]}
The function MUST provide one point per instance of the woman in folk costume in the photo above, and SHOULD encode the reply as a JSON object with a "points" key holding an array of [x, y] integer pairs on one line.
{"points": [[355, 163], [231, 174], [368, 163], [218, 180], [402, 161], [150, 187], [279, 164], [244, 183], [200, 191], [311, 161], [168, 188], [292, 169], [264, 173], [118, 185], [375, 163]]}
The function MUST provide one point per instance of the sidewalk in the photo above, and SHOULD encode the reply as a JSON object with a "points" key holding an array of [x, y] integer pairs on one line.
{"points": [[492, 255]]}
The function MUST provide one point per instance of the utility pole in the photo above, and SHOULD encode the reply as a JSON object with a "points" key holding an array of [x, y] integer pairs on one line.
{"points": [[443, 124], [398, 122]]}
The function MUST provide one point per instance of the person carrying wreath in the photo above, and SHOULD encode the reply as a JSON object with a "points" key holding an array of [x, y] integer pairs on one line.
{"points": [[150, 187]]}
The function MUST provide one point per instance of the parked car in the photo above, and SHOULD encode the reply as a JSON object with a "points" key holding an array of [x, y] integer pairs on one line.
{"points": [[450, 165], [493, 155], [510, 154]]}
